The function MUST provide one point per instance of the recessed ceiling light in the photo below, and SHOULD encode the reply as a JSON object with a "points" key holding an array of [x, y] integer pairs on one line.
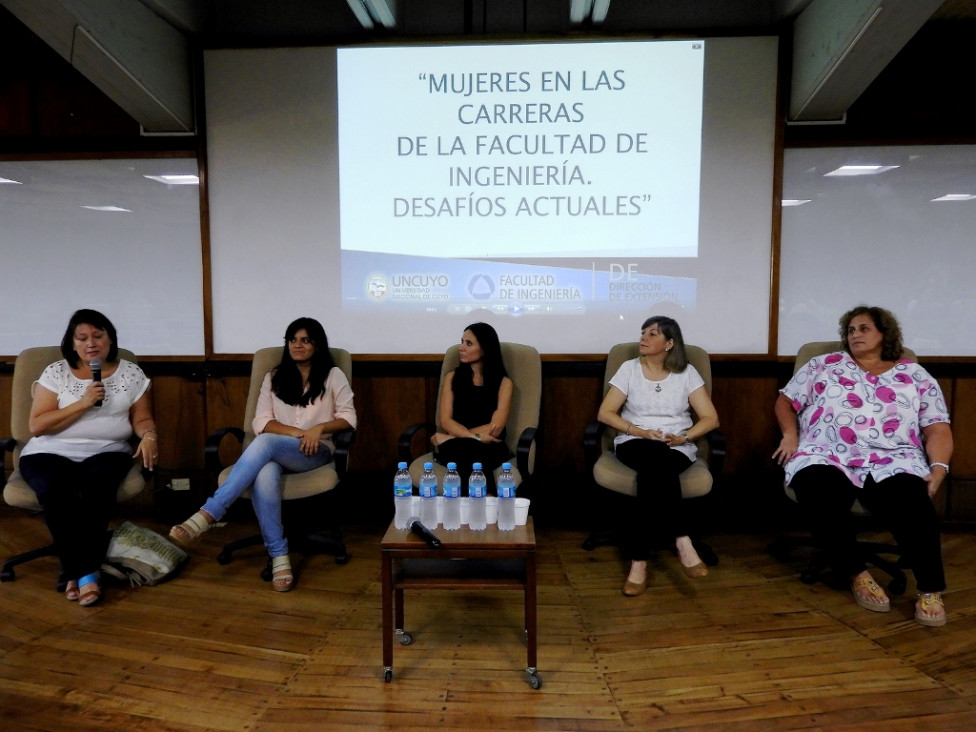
{"points": [[106, 208], [176, 180], [7, 180], [956, 197], [795, 201], [848, 170]]}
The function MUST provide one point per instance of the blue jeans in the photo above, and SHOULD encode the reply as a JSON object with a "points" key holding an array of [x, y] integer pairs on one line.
{"points": [[260, 468]]}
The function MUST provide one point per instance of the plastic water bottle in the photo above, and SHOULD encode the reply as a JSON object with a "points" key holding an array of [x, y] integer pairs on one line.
{"points": [[477, 490], [452, 498], [402, 496], [428, 497], [506, 498]]}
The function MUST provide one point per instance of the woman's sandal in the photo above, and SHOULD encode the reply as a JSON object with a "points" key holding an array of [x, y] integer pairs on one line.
{"points": [[928, 602], [71, 591], [87, 598], [282, 578], [189, 532], [881, 604]]}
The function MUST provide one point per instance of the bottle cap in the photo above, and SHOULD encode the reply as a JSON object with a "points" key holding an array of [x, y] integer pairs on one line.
{"points": [[428, 466], [476, 466], [452, 466], [506, 466], [401, 466]]}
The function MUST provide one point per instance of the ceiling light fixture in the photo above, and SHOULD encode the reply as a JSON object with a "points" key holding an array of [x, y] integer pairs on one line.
{"points": [[594, 11], [849, 170], [795, 201], [956, 197], [7, 180], [371, 12], [111, 209], [175, 180]]}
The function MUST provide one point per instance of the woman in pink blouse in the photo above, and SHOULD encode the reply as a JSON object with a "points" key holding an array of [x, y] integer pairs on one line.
{"points": [[866, 424], [303, 402]]}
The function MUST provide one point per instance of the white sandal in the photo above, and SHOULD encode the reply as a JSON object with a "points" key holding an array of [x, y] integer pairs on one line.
{"points": [[189, 532], [281, 582]]}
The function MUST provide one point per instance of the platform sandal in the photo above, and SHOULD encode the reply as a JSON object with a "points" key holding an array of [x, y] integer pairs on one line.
{"points": [[189, 532], [928, 602], [282, 578], [880, 602]]}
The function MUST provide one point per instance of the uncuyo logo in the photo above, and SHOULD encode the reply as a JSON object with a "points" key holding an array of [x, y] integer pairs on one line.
{"points": [[377, 288]]}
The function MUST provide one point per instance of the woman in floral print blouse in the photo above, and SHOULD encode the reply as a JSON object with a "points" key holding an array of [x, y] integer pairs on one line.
{"points": [[867, 424]]}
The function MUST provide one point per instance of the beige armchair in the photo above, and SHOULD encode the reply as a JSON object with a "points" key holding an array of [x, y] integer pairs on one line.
{"points": [[308, 518], [524, 367], [16, 492], [875, 553], [614, 477]]}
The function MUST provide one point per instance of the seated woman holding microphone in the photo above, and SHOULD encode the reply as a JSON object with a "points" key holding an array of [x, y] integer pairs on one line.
{"points": [[649, 403], [866, 424], [85, 408]]}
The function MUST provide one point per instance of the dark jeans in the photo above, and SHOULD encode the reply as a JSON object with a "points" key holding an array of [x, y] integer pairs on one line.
{"points": [[78, 499], [659, 514], [466, 451], [901, 502]]}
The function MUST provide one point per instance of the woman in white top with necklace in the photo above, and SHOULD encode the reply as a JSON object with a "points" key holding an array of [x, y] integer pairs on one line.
{"points": [[79, 452], [649, 404]]}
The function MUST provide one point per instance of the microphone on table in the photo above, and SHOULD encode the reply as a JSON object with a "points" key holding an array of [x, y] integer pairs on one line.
{"points": [[416, 527], [96, 369]]}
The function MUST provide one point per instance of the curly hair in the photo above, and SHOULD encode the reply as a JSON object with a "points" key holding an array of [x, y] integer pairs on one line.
{"points": [[886, 323], [677, 359]]}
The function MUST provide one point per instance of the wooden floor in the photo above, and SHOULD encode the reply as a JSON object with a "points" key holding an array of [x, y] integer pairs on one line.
{"points": [[749, 647]]}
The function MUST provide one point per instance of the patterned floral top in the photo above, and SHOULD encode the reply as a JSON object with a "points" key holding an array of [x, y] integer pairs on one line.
{"points": [[866, 425]]}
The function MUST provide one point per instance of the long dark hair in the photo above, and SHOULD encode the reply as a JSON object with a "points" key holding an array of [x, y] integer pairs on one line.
{"points": [[492, 369], [286, 379], [677, 359], [96, 320], [884, 321]]}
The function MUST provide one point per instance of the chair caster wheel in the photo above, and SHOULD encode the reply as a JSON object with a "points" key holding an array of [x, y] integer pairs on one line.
{"points": [[808, 577], [405, 638], [7, 575], [341, 559], [535, 681], [388, 675], [588, 545], [223, 558]]}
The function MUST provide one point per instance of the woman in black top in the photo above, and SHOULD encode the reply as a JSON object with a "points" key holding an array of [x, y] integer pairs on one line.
{"points": [[475, 401]]}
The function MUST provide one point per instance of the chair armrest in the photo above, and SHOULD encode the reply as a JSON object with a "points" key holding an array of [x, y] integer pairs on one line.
{"points": [[523, 448], [592, 439], [716, 446], [211, 448], [7, 444], [406, 439], [342, 439]]}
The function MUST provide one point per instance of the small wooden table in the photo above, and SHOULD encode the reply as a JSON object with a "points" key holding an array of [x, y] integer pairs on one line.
{"points": [[493, 560]]}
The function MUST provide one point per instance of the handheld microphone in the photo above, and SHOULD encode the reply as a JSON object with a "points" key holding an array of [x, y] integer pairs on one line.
{"points": [[96, 369], [423, 532]]}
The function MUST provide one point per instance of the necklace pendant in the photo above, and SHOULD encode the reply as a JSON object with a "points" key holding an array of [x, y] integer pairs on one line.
{"points": [[657, 388]]}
